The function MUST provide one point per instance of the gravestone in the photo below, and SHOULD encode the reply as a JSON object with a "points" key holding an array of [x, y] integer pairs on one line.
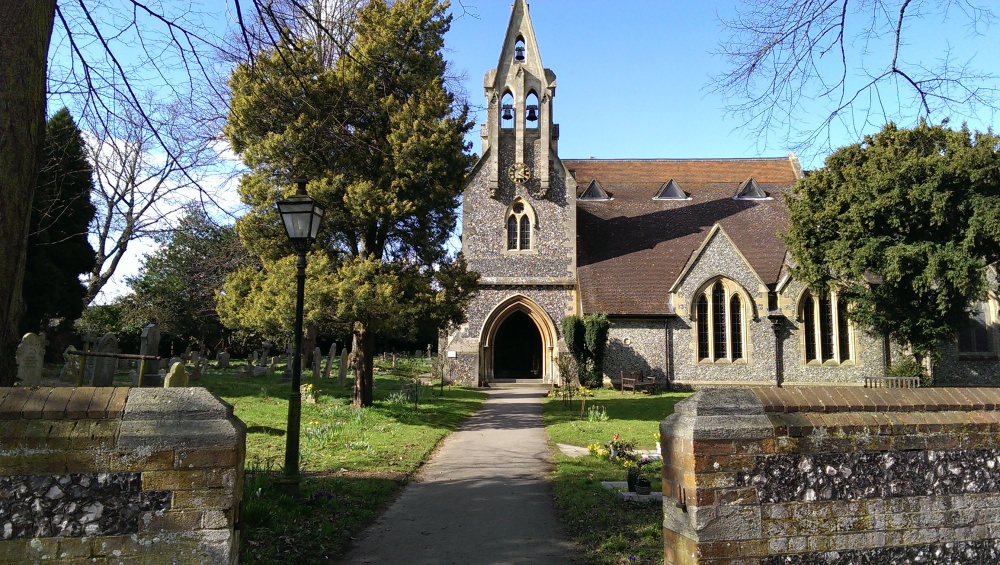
{"points": [[317, 359], [195, 357], [198, 370], [428, 351], [261, 371], [255, 358], [149, 344], [29, 357], [343, 367], [273, 367], [246, 371], [267, 351], [172, 361], [329, 360], [222, 360], [186, 356], [102, 369], [177, 376], [164, 363], [71, 370]]}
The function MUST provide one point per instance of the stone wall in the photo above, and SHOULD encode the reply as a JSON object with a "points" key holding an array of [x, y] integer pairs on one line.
{"points": [[832, 475], [119, 475]]}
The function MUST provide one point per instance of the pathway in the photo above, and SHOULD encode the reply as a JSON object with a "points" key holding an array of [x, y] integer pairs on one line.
{"points": [[482, 499]]}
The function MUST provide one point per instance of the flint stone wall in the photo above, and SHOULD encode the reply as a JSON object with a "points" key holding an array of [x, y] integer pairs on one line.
{"points": [[119, 475], [832, 475]]}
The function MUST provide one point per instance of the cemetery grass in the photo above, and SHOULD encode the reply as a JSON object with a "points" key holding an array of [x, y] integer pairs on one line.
{"points": [[611, 531], [354, 462]]}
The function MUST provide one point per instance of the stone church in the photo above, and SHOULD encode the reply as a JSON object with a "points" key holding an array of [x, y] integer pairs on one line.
{"points": [[683, 255]]}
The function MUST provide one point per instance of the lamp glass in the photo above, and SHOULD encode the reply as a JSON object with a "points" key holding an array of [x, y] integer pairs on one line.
{"points": [[297, 215]]}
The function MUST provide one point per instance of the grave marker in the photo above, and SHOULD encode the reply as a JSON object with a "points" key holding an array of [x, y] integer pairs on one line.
{"points": [[29, 357]]}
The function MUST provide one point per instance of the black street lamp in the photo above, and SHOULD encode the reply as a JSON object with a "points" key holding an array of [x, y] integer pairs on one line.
{"points": [[302, 217]]}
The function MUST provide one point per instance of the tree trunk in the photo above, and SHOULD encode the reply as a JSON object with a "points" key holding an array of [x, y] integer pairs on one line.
{"points": [[362, 352], [25, 30]]}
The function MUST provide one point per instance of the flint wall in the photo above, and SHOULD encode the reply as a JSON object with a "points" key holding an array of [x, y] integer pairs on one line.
{"points": [[832, 475], [119, 475]]}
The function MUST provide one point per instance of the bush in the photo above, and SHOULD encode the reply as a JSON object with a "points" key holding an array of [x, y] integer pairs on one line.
{"points": [[909, 367]]}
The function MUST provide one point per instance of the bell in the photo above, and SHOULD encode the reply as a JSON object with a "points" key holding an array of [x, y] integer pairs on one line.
{"points": [[532, 113], [507, 114], [519, 53]]}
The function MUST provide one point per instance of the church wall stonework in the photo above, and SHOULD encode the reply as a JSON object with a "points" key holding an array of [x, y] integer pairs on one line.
{"points": [[636, 344]]}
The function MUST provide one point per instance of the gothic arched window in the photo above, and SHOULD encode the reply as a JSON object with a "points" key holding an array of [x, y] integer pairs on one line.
{"points": [[825, 328], [520, 218], [974, 335], [721, 330]]}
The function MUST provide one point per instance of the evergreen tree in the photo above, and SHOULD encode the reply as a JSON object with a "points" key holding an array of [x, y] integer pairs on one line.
{"points": [[381, 141], [58, 250], [903, 225]]}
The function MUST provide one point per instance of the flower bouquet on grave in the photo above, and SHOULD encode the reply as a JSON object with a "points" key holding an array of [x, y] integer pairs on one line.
{"points": [[621, 450]]}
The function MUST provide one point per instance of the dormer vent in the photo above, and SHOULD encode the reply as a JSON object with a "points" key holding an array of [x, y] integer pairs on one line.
{"points": [[595, 192], [671, 191], [750, 190]]}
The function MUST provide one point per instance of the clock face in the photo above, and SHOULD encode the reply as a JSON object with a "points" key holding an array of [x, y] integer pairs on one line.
{"points": [[519, 173]]}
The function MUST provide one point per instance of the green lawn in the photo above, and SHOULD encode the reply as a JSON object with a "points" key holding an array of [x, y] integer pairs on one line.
{"points": [[610, 530], [354, 461]]}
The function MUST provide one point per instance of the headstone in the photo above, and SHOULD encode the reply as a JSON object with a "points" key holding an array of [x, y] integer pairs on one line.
{"points": [[176, 377], [71, 370], [273, 367], [30, 355], [103, 368], [393, 360], [195, 357], [267, 351], [428, 351], [149, 344], [164, 363], [329, 360], [198, 370], [255, 358], [343, 367], [317, 360], [174, 360], [186, 356], [246, 370], [261, 371], [222, 360], [133, 376]]}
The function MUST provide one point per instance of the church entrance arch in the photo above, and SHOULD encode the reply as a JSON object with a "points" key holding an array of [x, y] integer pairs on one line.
{"points": [[518, 342]]}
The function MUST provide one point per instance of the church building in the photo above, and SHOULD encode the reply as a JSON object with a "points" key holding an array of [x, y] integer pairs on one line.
{"points": [[683, 255]]}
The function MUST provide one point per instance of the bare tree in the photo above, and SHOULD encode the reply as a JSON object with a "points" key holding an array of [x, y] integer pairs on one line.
{"points": [[851, 59], [139, 189]]}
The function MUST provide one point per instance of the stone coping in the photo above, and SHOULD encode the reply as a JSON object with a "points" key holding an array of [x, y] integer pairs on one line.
{"points": [[62, 403], [831, 399]]}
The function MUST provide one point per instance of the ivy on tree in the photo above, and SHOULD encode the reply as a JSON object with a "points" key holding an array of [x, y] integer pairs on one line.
{"points": [[587, 337], [903, 225], [381, 141]]}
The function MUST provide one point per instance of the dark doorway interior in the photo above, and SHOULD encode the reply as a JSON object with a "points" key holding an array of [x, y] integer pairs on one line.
{"points": [[517, 352]]}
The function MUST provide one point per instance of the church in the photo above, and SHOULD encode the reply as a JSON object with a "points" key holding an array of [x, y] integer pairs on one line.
{"points": [[682, 255]]}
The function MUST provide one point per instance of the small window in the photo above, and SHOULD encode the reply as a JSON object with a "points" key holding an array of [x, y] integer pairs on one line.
{"points": [[595, 192], [720, 322], [750, 190], [826, 330], [974, 335], [670, 190], [520, 218]]}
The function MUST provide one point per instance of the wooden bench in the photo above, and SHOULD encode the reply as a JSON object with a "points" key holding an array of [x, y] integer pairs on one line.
{"points": [[636, 381], [892, 382]]}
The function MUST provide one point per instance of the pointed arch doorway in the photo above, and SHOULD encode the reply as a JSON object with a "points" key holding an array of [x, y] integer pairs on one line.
{"points": [[518, 342]]}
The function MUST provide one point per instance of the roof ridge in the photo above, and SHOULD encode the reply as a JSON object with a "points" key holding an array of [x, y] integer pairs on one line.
{"points": [[661, 159]]}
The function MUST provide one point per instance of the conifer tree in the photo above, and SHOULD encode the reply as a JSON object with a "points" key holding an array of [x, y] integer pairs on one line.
{"points": [[903, 226], [58, 250], [381, 141]]}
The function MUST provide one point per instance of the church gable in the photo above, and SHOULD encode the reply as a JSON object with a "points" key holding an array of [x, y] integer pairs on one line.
{"points": [[717, 256]]}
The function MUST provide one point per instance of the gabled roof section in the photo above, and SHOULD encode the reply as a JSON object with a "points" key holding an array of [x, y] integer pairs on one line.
{"points": [[594, 192], [750, 190], [716, 230], [670, 191]]}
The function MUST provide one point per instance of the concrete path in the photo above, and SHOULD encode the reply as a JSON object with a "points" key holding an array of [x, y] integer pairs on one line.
{"points": [[482, 499]]}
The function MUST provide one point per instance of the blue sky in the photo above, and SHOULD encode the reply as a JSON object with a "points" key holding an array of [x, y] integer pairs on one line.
{"points": [[634, 76]]}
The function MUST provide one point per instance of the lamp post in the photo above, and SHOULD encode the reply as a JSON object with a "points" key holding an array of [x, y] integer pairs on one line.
{"points": [[302, 217]]}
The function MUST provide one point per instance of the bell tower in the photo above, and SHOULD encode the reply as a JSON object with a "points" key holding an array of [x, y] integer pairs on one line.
{"points": [[520, 92]]}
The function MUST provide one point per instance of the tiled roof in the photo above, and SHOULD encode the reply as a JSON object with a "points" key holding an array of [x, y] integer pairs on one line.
{"points": [[631, 249]]}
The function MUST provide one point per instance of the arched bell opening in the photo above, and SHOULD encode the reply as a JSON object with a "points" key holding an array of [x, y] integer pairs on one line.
{"points": [[531, 112], [507, 111]]}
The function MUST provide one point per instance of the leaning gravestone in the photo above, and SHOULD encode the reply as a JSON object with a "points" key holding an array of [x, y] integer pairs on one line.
{"points": [[103, 367], [149, 344], [329, 360], [29, 356], [222, 360], [177, 376], [343, 367]]}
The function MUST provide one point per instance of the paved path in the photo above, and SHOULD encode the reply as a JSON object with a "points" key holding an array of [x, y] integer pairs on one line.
{"points": [[483, 499]]}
